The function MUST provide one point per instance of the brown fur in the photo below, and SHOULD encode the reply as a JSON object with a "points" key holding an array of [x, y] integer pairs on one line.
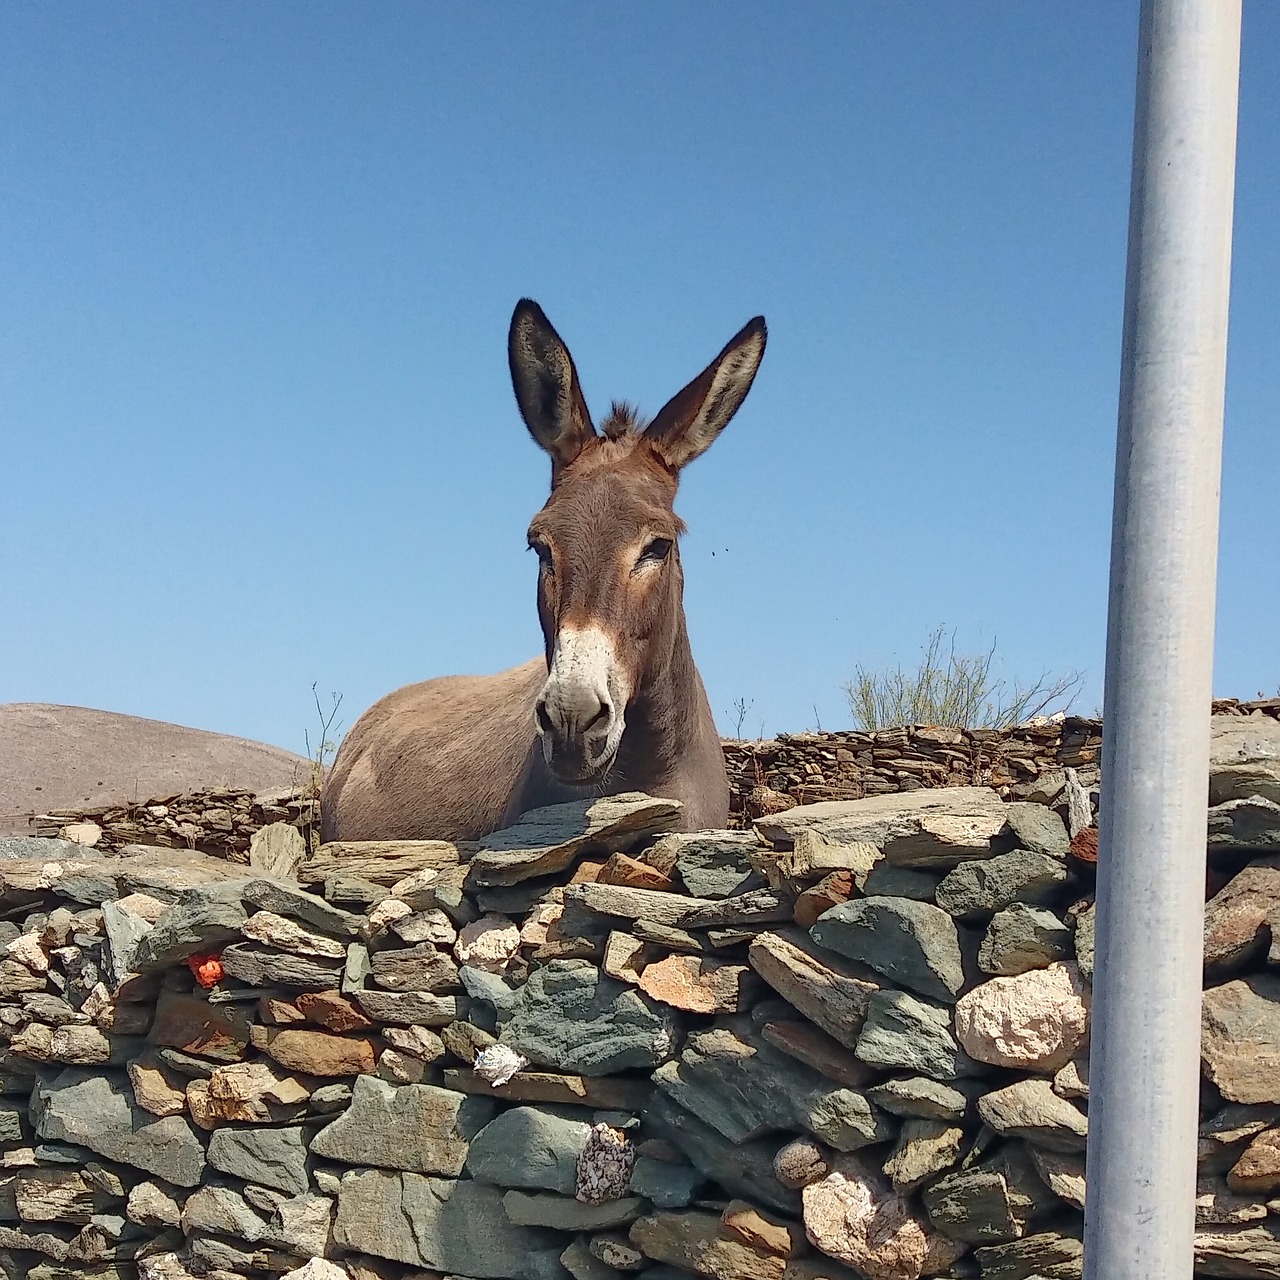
{"points": [[458, 757]]}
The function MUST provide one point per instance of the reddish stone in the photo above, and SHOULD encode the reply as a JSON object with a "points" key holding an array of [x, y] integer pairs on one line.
{"points": [[315, 1053], [1085, 845], [621, 869], [1244, 918], [332, 1010], [829, 892], [697, 984], [195, 1026]]}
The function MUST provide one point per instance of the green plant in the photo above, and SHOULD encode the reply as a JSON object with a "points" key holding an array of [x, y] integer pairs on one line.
{"points": [[953, 689]]}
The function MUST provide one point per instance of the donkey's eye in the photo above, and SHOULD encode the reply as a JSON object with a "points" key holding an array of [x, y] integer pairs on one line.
{"points": [[542, 551], [658, 549]]}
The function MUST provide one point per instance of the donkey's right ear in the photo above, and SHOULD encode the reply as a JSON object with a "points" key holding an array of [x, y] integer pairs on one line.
{"points": [[546, 385]]}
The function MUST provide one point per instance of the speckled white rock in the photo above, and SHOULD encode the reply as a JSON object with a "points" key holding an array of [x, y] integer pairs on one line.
{"points": [[387, 912], [1034, 1021], [489, 943], [853, 1215], [604, 1166]]}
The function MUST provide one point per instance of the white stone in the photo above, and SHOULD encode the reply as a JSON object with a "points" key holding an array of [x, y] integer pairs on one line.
{"points": [[1035, 1021], [387, 912], [318, 1269], [416, 889], [163, 1266], [276, 931], [82, 833], [490, 943], [144, 905], [26, 949], [497, 1064], [854, 1216]]}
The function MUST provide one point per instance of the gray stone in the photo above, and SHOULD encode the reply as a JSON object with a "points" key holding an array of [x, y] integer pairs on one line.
{"points": [[904, 1033], [529, 1147], [1086, 924], [570, 1017], [1244, 758], [94, 1111], [490, 989], [43, 849], [1239, 826], [269, 1157], [302, 1224], [1020, 938], [454, 1226], [409, 1008], [1038, 828], [1030, 1109], [549, 839], [331, 1097], [582, 1264], [668, 1186], [357, 969], [931, 827], [563, 1213], [1240, 1038], [223, 1212], [265, 967], [743, 1169], [714, 864], [885, 880], [991, 885], [1049, 1254], [991, 1202], [745, 1088], [419, 1128], [912, 943], [924, 1098], [295, 902], [203, 919], [13, 1122], [125, 931], [420, 968]]}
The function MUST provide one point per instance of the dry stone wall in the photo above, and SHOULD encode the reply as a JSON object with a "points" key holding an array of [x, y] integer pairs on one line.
{"points": [[850, 1041]]}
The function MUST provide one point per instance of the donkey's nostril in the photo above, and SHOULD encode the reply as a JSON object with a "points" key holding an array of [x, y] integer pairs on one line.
{"points": [[544, 717], [600, 718]]}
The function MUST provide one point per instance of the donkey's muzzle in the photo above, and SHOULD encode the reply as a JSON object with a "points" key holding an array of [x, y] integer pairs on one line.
{"points": [[579, 740]]}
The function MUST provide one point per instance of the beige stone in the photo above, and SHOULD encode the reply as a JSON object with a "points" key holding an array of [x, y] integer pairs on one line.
{"points": [[764, 1231], [315, 1052], [490, 943], [1034, 1021], [82, 833], [275, 931], [697, 984], [1258, 1169], [155, 1089]]}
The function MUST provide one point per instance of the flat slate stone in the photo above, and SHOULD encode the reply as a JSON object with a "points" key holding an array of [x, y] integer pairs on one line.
{"points": [[267, 1157], [1030, 1109], [918, 1096], [931, 827], [563, 1213], [905, 1033], [265, 967], [715, 864], [912, 943], [410, 1008], [418, 1128], [268, 894], [458, 1227], [203, 919], [1243, 825], [569, 1016], [1038, 828], [1244, 758], [94, 1111]]}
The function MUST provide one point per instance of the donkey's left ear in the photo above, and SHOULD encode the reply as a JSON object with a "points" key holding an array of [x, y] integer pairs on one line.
{"points": [[690, 421]]}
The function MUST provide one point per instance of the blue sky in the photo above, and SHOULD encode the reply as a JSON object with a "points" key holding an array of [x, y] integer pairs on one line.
{"points": [[257, 264]]}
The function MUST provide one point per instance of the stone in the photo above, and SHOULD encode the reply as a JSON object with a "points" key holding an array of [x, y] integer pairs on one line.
{"points": [[1072, 1081], [582, 1264], [1238, 1251], [698, 984], [202, 921], [330, 1098], [260, 966], [1086, 923], [622, 869], [571, 1017], [1240, 1038], [924, 1149], [743, 1169], [287, 935], [152, 1206], [816, 1049], [833, 889], [1244, 758], [547, 840], [408, 1008], [490, 943], [155, 1090], [59, 1195], [904, 1033], [1242, 921], [1240, 826], [540, 1086], [711, 864], [1034, 1021], [27, 950], [604, 1164], [418, 968], [762, 1231], [989, 1203], [1022, 937], [854, 1216], [247, 1092], [1030, 1109], [94, 1111], [288, 899], [745, 1089], [616, 1251], [526, 1147], [432, 925], [918, 1096], [302, 1224], [315, 1053], [417, 1042], [994, 883], [625, 957], [332, 1011], [125, 930], [819, 985], [800, 1162], [381, 862], [561, 1213], [744, 911], [1063, 1174], [277, 850], [419, 1128], [1037, 827], [222, 1211], [667, 1186], [268, 1157], [912, 943], [1049, 1253], [887, 881], [1258, 1169], [932, 827], [694, 1240], [448, 1225], [316, 1269], [1224, 1135], [625, 903], [357, 968]]}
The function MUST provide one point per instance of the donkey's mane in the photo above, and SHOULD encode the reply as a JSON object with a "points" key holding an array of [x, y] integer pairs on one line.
{"points": [[624, 420]]}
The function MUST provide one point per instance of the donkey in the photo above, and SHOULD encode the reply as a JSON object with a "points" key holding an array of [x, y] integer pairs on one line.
{"points": [[616, 704]]}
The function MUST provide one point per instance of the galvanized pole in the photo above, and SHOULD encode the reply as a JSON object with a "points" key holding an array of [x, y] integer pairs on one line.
{"points": [[1145, 1061]]}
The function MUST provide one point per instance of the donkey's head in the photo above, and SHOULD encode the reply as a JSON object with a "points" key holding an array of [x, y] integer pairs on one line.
{"points": [[609, 583]]}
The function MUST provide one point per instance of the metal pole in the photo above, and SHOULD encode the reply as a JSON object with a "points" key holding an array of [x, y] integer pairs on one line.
{"points": [[1145, 1062]]}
